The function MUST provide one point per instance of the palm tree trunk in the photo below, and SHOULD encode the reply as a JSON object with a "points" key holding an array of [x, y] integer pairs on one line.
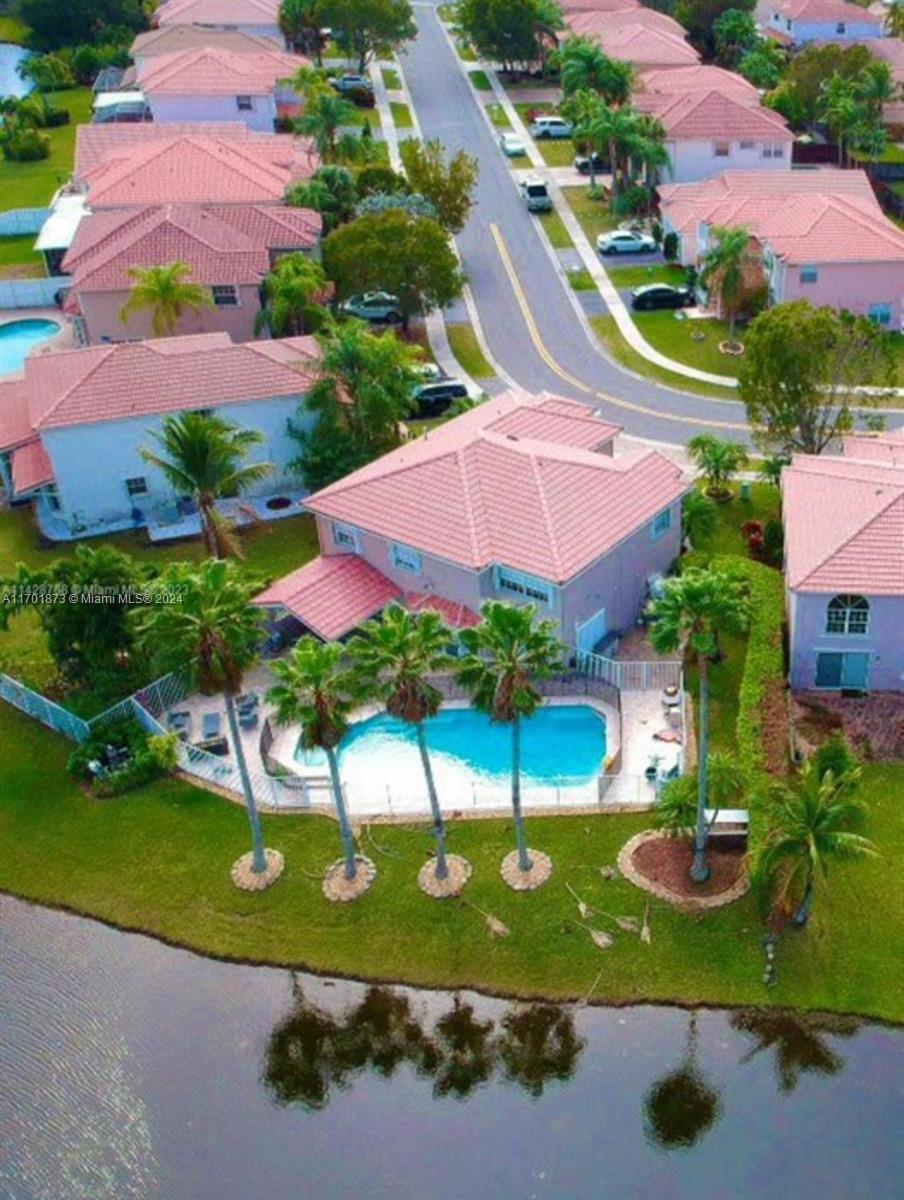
{"points": [[204, 507], [259, 862], [345, 830], [524, 861], [802, 913], [439, 829], [699, 870]]}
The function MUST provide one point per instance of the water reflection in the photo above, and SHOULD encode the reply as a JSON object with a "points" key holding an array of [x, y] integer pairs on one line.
{"points": [[798, 1041], [312, 1052], [682, 1106]]}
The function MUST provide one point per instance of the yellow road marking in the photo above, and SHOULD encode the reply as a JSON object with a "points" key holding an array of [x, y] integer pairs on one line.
{"points": [[554, 366]]}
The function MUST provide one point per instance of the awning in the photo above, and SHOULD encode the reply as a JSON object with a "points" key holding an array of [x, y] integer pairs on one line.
{"points": [[58, 230], [331, 595], [31, 467], [111, 99], [458, 616]]}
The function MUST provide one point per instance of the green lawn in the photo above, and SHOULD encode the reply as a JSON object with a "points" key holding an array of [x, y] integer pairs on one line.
{"points": [[480, 81], [581, 280], [366, 116], [401, 115], [391, 79], [18, 259], [467, 350], [558, 235], [615, 345], [465, 53], [13, 30], [728, 539], [675, 338], [632, 277], [594, 215], [497, 115], [30, 185], [893, 153]]}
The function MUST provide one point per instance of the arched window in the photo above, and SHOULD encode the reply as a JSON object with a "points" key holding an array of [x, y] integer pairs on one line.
{"points": [[847, 614]]}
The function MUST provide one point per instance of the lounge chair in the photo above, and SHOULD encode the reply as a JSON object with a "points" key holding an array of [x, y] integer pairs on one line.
{"points": [[180, 723], [248, 717], [249, 701], [210, 725]]}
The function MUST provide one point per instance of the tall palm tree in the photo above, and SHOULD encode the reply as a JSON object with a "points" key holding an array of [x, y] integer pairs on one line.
{"points": [[875, 87], [696, 606], [316, 690], [815, 821], [894, 20], [840, 108], [289, 293], [718, 460], [504, 654], [396, 655], [168, 293], [212, 636], [203, 456], [583, 66], [324, 115], [725, 267]]}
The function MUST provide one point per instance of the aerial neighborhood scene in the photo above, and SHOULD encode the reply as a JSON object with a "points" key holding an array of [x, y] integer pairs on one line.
{"points": [[451, 599]]}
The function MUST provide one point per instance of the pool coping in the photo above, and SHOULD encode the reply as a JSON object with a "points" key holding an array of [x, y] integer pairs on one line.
{"points": [[63, 339]]}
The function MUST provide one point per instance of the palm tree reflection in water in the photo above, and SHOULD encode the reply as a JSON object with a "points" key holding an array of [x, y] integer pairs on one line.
{"points": [[682, 1106]]}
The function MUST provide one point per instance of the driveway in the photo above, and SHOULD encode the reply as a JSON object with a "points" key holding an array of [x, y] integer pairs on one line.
{"points": [[536, 337]]}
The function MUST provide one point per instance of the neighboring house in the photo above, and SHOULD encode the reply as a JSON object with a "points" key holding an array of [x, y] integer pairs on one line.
{"points": [[260, 18], [708, 132], [678, 81], [598, 6], [228, 249], [73, 427], [822, 235], [176, 39], [796, 22], [213, 84], [519, 499], [891, 51], [844, 566], [646, 38]]}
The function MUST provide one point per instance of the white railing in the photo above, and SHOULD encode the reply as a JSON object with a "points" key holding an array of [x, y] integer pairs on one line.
{"points": [[629, 676], [49, 713]]}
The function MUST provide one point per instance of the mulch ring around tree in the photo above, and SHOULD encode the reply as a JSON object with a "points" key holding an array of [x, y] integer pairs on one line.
{"points": [[660, 865]]}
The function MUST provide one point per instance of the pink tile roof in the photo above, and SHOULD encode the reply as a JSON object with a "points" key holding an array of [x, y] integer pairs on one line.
{"points": [[172, 38], [458, 616], [803, 216], [595, 23], [228, 244], [332, 595], [606, 6], [137, 379], [15, 422], [887, 449], [475, 495], [679, 81], [825, 10], [95, 143], [844, 525], [641, 36], [31, 467], [217, 12], [200, 170], [212, 71], [703, 115]]}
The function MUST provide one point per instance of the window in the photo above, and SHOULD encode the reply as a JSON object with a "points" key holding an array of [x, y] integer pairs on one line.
{"points": [[808, 275], [523, 585], [137, 486], [747, 145], [406, 559], [847, 615], [773, 150], [225, 295], [51, 495], [722, 149], [244, 103], [880, 314], [841, 27], [661, 522], [345, 536], [836, 671]]}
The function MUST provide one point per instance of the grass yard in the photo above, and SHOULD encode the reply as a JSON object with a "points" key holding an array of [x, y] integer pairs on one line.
{"points": [[467, 350], [391, 79], [367, 116], [465, 53], [32, 184], [401, 115], [617, 348], [594, 215], [554, 226], [480, 81], [671, 336], [496, 113], [728, 539], [581, 280], [158, 861], [13, 30], [18, 259], [556, 152], [632, 277]]}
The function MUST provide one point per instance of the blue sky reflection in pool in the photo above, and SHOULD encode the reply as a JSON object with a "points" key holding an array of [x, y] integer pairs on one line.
{"points": [[18, 337], [562, 746]]}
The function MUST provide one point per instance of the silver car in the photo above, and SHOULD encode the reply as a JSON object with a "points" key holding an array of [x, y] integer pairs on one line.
{"points": [[552, 127], [511, 145], [625, 241], [372, 306]]}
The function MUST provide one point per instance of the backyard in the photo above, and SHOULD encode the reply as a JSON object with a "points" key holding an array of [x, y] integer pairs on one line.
{"points": [[32, 184]]}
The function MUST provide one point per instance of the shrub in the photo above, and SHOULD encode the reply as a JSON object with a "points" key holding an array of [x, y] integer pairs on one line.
{"points": [[670, 246], [380, 179], [23, 143], [632, 202], [56, 117], [124, 734], [773, 542], [657, 232], [835, 755]]}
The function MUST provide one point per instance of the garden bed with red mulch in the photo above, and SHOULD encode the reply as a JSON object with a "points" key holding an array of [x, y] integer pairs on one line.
{"points": [[667, 861]]}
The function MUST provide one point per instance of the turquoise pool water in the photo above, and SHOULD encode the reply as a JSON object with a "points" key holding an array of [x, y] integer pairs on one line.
{"points": [[18, 337], [562, 746]]}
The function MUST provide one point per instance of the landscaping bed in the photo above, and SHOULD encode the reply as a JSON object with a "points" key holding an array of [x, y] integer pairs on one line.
{"points": [[667, 862]]}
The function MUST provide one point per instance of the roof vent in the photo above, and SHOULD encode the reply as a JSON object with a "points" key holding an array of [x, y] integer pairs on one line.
{"points": [[512, 437]]}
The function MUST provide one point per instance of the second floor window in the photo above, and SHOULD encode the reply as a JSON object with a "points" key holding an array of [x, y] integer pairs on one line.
{"points": [[840, 27], [661, 522], [526, 586], [225, 295], [244, 103], [847, 615], [345, 536], [406, 559], [809, 275]]}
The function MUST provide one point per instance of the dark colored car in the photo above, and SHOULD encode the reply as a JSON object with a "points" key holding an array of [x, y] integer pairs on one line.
{"points": [[662, 295], [432, 399], [582, 163]]}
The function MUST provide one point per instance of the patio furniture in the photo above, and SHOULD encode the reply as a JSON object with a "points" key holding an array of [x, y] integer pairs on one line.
{"points": [[180, 724], [117, 756], [248, 718], [210, 725], [214, 745], [250, 700]]}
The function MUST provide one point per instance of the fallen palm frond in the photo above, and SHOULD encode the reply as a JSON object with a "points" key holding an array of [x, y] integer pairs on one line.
{"points": [[609, 872], [379, 849], [584, 909], [599, 937], [592, 988], [496, 927], [645, 936]]}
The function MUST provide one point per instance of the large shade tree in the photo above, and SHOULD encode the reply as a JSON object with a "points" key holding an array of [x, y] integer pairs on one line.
{"points": [[167, 293], [514, 33], [695, 608], [446, 182], [504, 657], [365, 29], [204, 457]]}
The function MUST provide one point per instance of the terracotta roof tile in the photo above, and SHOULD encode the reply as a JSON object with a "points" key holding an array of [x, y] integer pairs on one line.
{"points": [[212, 71], [332, 595], [679, 81], [217, 12], [825, 10], [458, 616], [15, 422], [95, 143], [173, 38], [641, 36], [703, 115], [31, 468]]}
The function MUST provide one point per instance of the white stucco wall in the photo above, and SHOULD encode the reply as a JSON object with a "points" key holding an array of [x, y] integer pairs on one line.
{"points": [[166, 109], [692, 161]]}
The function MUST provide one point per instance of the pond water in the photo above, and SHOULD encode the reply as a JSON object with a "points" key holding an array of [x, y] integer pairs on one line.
{"points": [[133, 1071], [11, 82]]}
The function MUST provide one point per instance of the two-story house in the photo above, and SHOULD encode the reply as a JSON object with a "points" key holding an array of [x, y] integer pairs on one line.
{"points": [[174, 39], [73, 427], [641, 36], [260, 18], [844, 566], [521, 499], [796, 22]]}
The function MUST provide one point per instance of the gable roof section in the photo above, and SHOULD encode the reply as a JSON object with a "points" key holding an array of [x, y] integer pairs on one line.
{"points": [[640, 36], [599, 23], [229, 244], [703, 115], [844, 526], [475, 492], [680, 81], [170, 39], [807, 11], [332, 594], [217, 12], [135, 379], [95, 143], [213, 71]]}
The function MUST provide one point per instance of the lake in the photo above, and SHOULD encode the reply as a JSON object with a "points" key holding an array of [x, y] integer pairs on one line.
{"points": [[11, 82], [129, 1069]]}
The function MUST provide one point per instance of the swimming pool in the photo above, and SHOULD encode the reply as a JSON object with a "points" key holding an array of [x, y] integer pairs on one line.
{"points": [[562, 746], [18, 337]]}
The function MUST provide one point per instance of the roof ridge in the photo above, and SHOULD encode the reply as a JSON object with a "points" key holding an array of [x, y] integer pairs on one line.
{"points": [[547, 516], [60, 400]]}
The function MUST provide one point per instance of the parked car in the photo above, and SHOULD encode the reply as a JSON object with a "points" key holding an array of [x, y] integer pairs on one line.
{"points": [[661, 295], [534, 194], [511, 145], [432, 399], [351, 83], [372, 306], [429, 371], [625, 241], [551, 127], [582, 163]]}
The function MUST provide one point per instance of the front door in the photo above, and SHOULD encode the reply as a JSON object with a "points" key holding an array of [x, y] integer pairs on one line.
{"points": [[591, 632], [842, 670]]}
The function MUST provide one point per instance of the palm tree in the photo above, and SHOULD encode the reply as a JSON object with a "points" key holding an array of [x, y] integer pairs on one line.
{"points": [[316, 690], [169, 295], [583, 66], [396, 655], [894, 20], [324, 115], [696, 606], [840, 108], [771, 469], [466, 1055], [718, 461], [203, 456], [211, 637], [504, 654], [676, 807], [815, 821], [698, 518], [725, 267], [875, 87], [289, 293], [588, 115]]}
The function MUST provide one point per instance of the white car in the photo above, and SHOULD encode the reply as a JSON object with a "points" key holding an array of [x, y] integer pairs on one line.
{"points": [[551, 127], [511, 145], [625, 241]]}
